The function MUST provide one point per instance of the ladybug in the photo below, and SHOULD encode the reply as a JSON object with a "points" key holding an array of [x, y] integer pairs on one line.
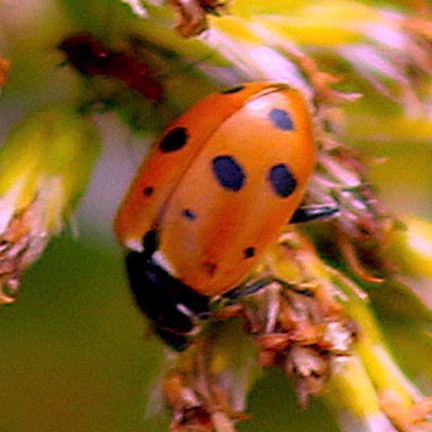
{"points": [[214, 192], [91, 57]]}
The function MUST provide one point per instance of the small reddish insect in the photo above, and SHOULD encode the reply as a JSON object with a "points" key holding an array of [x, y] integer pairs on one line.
{"points": [[213, 194], [91, 57]]}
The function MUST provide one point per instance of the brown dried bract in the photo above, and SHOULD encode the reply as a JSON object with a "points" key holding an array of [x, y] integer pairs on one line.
{"points": [[309, 334], [298, 327], [20, 245], [363, 228], [191, 15], [199, 402], [407, 419]]}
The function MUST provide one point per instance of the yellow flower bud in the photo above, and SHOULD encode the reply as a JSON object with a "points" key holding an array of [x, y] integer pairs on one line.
{"points": [[45, 164]]}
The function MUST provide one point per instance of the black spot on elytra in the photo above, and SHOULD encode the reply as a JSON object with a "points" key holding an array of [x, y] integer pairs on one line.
{"points": [[282, 180], [249, 252], [189, 214], [174, 140], [148, 190], [228, 172], [234, 89], [281, 119]]}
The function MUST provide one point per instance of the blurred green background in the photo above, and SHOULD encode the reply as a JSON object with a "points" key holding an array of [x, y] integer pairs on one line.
{"points": [[75, 352]]}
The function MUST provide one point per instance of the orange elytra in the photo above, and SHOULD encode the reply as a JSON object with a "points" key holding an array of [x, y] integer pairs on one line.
{"points": [[220, 184]]}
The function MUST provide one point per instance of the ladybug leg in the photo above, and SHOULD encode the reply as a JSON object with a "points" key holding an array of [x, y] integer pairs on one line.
{"points": [[313, 212], [171, 306], [257, 285], [248, 289]]}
